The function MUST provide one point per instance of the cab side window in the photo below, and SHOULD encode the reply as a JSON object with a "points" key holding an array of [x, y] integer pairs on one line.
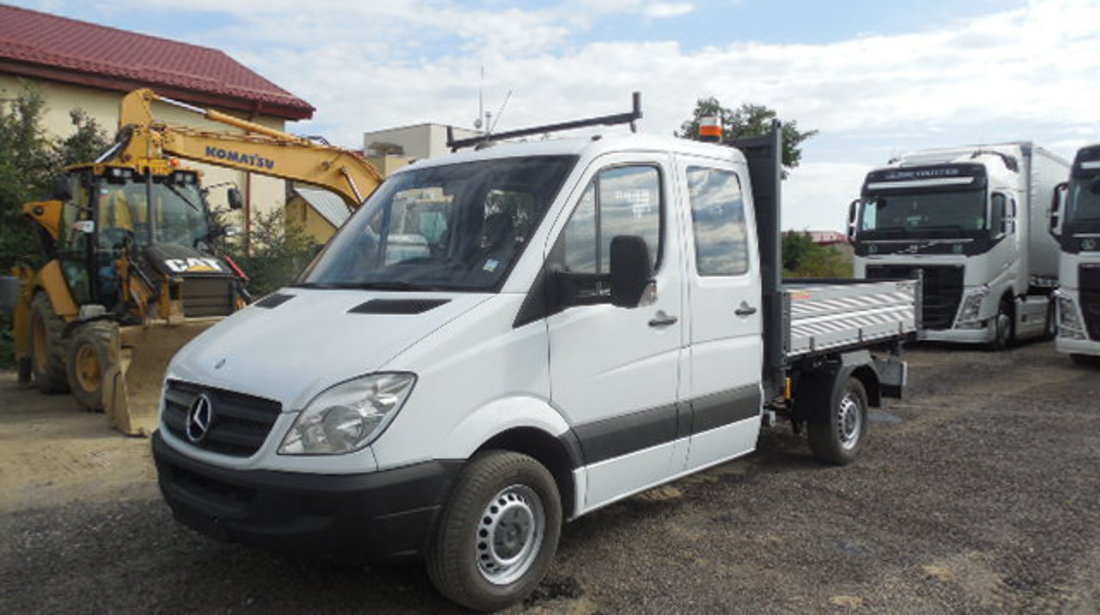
{"points": [[718, 222], [619, 201]]}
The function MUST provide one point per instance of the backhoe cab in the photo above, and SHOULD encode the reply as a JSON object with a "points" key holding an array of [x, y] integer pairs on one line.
{"points": [[129, 278]]}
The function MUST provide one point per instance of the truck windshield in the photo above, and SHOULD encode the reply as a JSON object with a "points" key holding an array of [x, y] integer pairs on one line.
{"points": [[177, 211], [1083, 204], [453, 227], [923, 215]]}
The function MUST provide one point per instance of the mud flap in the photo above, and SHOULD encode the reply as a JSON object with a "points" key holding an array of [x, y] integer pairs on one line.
{"points": [[139, 358]]}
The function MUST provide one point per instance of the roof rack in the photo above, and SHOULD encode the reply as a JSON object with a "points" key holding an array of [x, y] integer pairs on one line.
{"points": [[606, 120]]}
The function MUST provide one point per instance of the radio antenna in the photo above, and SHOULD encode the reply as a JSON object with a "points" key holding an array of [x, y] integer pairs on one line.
{"points": [[504, 104]]}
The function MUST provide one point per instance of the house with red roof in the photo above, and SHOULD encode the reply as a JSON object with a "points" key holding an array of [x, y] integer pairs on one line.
{"points": [[76, 64]]}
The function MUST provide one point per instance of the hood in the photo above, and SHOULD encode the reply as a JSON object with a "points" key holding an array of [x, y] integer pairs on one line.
{"points": [[295, 343]]}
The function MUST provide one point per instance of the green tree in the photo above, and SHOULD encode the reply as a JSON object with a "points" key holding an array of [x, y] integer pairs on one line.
{"points": [[746, 121], [29, 159]]}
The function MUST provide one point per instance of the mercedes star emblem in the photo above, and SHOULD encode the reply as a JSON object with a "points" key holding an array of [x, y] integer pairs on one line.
{"points": [[199, 417]]}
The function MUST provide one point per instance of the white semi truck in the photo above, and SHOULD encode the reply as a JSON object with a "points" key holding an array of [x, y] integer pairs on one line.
{"points": [[1075, 223], [972, 222], [583, 319]]}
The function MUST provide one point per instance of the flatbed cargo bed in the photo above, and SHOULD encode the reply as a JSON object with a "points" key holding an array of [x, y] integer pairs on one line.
{"points": [[822, 316]]}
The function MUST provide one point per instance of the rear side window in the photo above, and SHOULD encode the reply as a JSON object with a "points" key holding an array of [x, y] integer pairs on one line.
{"points": [[718, 222]]}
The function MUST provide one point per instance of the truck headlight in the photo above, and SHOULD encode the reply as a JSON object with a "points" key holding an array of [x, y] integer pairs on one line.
{"points": [[348, 416], [969, 315], [1069, 325]]}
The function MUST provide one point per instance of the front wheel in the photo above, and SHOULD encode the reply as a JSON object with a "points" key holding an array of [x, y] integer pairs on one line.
{"points": [[1004, 327], [498, 532], [90, 361], [837, 424]]}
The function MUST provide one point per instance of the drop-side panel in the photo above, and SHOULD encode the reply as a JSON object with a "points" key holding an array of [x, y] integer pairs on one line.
{"points": [[828, 316]]}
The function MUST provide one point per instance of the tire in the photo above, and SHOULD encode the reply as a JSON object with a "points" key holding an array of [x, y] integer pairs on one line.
{"points": [[47, 347], [89, 361], [1087, 360], [1004, 328], [498, 532], [837, 422], [1051, 329]]}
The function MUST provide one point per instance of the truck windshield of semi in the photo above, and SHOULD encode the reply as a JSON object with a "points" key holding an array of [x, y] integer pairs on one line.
{"points": [[1075, 223], [969, 222]]}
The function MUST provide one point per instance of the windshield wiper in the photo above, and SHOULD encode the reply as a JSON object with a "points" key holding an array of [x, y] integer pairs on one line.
{"points": [[181, 196]]}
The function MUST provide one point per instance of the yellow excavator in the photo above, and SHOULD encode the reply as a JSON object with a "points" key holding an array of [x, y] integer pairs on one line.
{"points": [[129, 274]]}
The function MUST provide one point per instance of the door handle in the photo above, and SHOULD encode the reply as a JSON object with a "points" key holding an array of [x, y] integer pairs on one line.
{"points": [[745, 310], [662, 320]]}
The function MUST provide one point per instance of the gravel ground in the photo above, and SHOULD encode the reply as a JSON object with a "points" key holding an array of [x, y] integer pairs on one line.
{"points": [[979, 494]]}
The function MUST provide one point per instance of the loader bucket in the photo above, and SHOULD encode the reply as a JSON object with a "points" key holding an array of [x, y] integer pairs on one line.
{"points": [[132, 386]]}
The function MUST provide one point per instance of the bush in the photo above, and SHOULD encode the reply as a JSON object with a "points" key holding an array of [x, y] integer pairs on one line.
{"points": [[273, 253], [802, 258]]}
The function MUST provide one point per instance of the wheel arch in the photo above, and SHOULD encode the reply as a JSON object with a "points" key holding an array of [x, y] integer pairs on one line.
{"points": [[560, 455], [868, 377]]}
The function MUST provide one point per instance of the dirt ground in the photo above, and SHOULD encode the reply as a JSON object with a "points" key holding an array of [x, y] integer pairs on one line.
{"points": [[979, 494]]}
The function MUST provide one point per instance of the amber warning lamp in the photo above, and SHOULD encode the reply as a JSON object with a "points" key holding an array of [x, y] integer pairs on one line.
{"points": [[709, 129]]}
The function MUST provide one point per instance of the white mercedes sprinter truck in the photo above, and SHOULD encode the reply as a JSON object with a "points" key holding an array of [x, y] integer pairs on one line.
{"points": [[511, 337], [1075, 223], [973, 222]]}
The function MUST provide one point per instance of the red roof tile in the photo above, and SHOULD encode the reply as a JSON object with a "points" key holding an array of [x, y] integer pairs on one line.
{"points": [[40, 45]]}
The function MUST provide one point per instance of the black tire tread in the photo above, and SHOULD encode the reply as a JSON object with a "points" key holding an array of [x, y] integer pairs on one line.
{"points": [[100, 334], [452, 571], [53, 379], [821, 426]]}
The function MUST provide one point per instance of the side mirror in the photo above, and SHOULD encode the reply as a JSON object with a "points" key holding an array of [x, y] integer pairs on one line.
{"points": [[62, 190], [853, 213], [631, 270], [1056, 206], [234, 197]]}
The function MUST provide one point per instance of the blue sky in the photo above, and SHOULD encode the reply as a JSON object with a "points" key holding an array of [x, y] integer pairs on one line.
{"points": [[873, 77]]}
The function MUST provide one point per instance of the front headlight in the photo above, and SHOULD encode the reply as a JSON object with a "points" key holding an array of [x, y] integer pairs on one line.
{"points": [[1069, 325], [969, 315], [348, 416]]}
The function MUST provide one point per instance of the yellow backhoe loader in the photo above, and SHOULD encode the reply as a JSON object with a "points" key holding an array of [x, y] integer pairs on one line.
{"points": [[129, 276]]}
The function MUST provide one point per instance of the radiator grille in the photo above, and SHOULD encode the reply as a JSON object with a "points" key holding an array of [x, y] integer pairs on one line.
{"points": [[207, 297], [240, 422], [1089, 278], [941, 290]]}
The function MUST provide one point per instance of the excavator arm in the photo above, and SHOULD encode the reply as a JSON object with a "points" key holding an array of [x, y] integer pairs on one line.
{"points": [[260, 149]]}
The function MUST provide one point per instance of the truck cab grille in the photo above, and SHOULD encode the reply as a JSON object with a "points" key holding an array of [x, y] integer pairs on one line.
{"points": [[240, 423], [941, 290], [1089, 282]]}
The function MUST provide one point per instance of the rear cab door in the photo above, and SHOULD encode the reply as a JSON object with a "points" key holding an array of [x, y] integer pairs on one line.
{"points": [[724, 324]]}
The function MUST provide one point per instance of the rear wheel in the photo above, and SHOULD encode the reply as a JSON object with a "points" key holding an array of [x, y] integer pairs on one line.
{"points": [[498, 532], [47, 347], [1085, 359], [89, 361], [837, 423]]}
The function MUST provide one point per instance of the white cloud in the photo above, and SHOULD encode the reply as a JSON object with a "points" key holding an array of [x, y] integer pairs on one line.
{"points": [[668, 9], [1030, 73]]}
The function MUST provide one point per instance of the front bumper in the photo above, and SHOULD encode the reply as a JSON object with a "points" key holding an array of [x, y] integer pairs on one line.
{"points": [[1076, 346], [374, 517], [985, 335]]}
